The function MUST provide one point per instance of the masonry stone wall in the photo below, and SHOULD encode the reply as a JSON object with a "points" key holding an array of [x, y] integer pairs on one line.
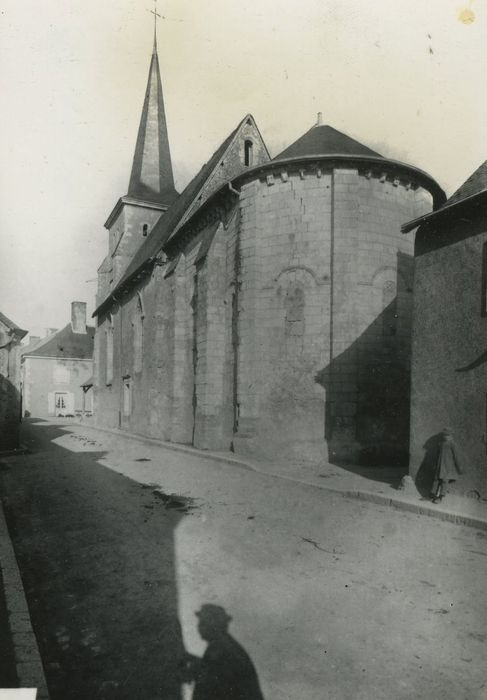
{"points": [[283, 312], [449, 362], [127, 232], [367, 378], [279, 325], [180, 393], [324, 314], [144, 401]]}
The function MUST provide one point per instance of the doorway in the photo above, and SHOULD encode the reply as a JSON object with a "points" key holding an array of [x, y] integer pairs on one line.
{"points": [[60, 403]]}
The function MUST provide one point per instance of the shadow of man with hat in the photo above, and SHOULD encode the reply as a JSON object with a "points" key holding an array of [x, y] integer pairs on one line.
{"points": [[225, 672]]}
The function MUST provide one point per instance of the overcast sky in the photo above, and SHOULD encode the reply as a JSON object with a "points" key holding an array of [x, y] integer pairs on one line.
{"points": [[404, 77]]}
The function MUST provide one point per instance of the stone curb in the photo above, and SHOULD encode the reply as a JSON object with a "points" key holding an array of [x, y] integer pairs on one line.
{"points": [[363, 495], [30, 672]]}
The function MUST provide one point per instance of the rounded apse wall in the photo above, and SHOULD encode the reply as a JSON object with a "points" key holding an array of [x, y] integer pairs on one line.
{"points": [[325, 303]]}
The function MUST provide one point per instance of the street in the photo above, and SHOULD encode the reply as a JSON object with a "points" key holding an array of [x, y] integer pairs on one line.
{"points": [[120, 542]]}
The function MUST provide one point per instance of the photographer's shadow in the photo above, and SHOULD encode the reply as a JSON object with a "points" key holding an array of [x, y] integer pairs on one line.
{"points": [[225, 672]]}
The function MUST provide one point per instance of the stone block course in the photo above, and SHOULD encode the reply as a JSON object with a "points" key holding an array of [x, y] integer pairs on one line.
{"points": [[264, 330]]}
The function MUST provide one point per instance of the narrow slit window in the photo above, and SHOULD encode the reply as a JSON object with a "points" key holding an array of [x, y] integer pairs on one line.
{"points": [[138, 336], [145, 229], [248, 147], [127, 396]]}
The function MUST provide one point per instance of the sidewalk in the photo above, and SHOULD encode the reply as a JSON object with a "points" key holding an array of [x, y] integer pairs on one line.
{"points": [[129, 524], [21, 662], [375, 485]]}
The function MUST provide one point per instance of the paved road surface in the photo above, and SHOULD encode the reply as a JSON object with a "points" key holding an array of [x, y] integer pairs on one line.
{"points": [[119, 543]]}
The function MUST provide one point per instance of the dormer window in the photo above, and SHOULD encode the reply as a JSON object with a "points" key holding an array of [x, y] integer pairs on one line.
{"points": [[248, 146], [145, 229]]}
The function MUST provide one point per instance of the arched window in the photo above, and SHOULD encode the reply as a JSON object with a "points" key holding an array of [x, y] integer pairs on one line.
{"points": [[294, 320], [138, 328], [109, 350], [248, 147], [145, 229]]}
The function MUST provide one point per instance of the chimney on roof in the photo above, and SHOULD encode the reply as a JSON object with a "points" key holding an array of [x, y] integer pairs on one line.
{"points": [[319, 119], [34, 339], [78, 316]]}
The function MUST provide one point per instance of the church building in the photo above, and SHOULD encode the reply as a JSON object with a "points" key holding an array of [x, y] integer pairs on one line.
{"points": [[266, 309]]}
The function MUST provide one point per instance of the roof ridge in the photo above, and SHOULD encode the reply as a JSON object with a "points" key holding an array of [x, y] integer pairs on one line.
{"points": [[81, 339], [228, 141], [42, 341], [175, 216], [6, 321], [474, 184]]}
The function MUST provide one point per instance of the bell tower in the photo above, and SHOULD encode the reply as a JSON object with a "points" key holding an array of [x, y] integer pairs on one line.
{"points": [[151, 186]]}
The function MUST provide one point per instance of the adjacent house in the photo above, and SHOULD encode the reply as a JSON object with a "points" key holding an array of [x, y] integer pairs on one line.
{"points": [[56, 368], [10, 404], [449, 348]]}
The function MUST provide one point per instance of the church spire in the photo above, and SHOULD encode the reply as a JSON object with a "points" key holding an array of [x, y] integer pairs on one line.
{"points": [[152, 178]]}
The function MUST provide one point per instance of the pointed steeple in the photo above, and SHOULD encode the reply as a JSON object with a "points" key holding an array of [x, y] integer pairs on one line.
{"points": [[152, 178]]}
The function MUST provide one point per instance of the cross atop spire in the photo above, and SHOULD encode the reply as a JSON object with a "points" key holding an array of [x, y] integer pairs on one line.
{"points": [[151, 178], [156, 15]]}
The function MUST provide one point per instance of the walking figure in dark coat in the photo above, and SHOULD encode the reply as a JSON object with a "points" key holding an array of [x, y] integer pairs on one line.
{"points": [[225, 672], [448, 466]]}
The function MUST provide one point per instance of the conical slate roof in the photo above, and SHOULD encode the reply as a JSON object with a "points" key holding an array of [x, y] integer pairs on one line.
{"points": [[325, 140], [477, 182], [152, 178]]}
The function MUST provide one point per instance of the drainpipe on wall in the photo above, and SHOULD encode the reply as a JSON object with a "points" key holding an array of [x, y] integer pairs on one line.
{"points": [[328, 413]]}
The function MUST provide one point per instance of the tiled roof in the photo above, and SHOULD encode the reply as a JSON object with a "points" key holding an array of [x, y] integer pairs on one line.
{"points": [[66, 344], [473, 185], [169, 222], [476, 184], [325, 140], [13, 326]]}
